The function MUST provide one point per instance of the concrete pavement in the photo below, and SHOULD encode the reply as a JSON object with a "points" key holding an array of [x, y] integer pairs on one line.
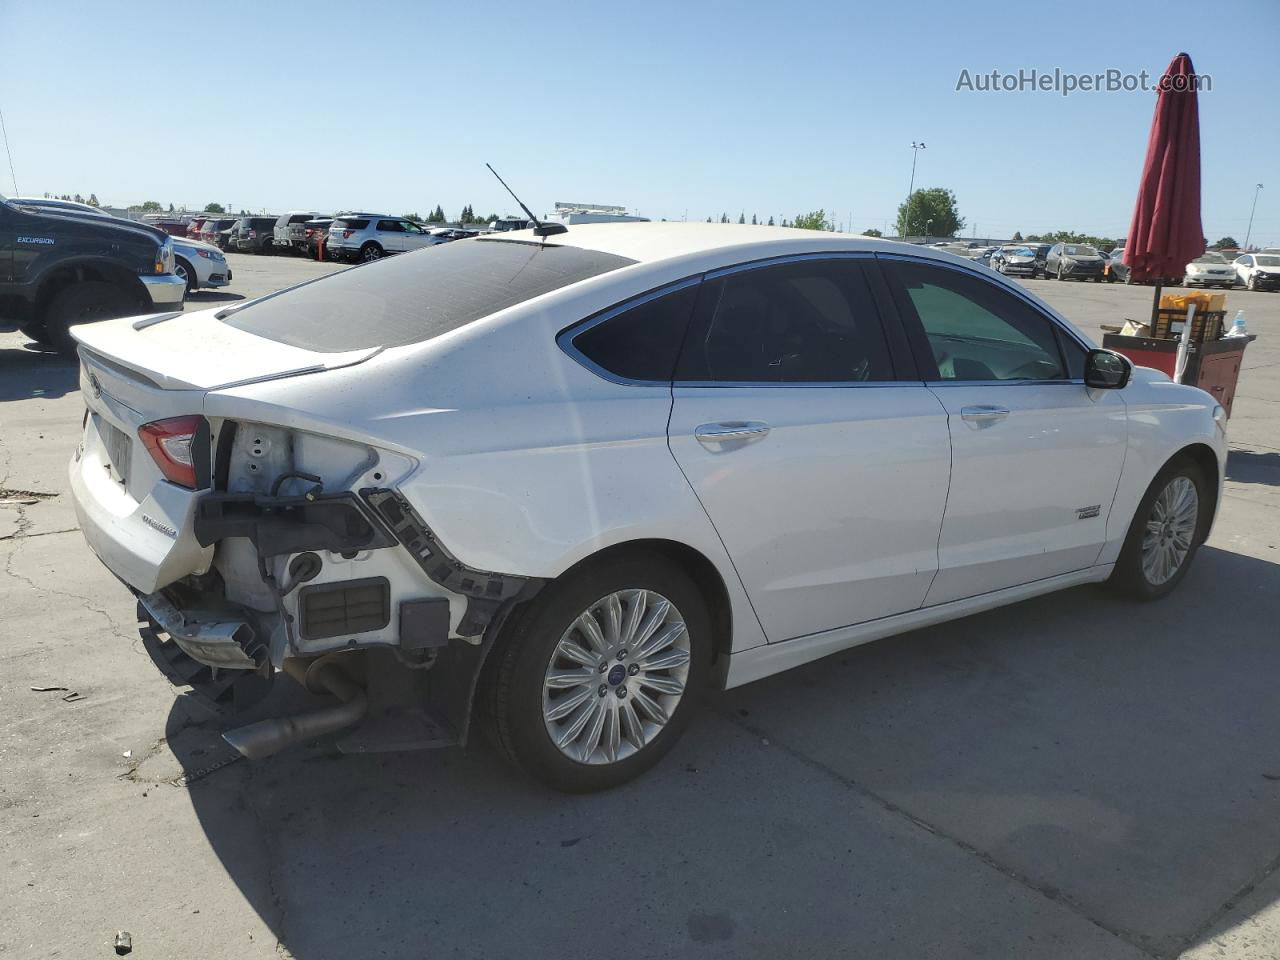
{"points": [[1072, 776]]}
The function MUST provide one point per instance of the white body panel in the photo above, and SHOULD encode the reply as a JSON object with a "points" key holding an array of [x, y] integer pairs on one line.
{"points": [[525, 462], [832, 517], [1023, 485]]}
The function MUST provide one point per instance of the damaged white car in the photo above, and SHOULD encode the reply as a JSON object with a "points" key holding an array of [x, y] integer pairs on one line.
{"points": [[565, 482]]}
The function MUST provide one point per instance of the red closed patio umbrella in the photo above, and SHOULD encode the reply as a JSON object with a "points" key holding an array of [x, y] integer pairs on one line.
{"points": [[1165, 233]]}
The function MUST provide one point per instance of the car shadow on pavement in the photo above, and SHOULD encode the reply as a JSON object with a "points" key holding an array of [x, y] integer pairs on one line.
{"points": [[33, 370], [1076, 770], [1250, 466], [199, 297]]}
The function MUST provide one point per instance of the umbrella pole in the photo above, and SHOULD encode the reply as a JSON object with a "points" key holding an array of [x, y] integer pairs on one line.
{"points": [[1155, 305]]}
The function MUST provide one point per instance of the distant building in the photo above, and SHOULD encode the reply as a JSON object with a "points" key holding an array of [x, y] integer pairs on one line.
{"points": [[571, 213]]}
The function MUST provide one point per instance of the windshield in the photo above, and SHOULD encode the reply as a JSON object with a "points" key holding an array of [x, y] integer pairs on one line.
{"points": [[1210, 258], [1019, 252], [1269, 261], [1079, 250], [415, 297]]}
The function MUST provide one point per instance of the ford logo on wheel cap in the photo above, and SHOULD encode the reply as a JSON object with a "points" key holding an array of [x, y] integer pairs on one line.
{"points": [[617, 674]]}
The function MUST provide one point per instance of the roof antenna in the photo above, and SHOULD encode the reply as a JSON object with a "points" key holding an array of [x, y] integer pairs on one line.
{"points": [[540, 229]]}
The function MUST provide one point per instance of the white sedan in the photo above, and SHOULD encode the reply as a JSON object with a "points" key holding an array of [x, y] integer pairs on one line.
{"points": [[1210, 269], [566, 482], [200, 264]]}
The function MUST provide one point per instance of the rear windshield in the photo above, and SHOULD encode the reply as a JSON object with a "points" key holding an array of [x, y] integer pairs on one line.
{"points": [[417, 296], [301, 217]]}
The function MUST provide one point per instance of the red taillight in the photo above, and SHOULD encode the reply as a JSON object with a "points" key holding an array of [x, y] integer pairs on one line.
{"points": [[347, 233], [171, 445], [253, 234]]}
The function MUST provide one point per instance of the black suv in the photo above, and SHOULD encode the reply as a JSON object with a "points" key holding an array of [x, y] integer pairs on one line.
{"points": [[254, 234], [59, 268]]}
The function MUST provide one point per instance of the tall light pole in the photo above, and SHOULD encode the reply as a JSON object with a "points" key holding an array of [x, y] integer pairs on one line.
{"points": [[1251, 211], [906, 220]]}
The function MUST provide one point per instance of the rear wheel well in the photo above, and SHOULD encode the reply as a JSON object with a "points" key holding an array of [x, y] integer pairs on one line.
{"points": [[69, 276], [693, 563]]}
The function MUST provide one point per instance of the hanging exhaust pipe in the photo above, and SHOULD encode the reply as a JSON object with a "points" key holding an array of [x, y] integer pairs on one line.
{"points": [[267, 737]]}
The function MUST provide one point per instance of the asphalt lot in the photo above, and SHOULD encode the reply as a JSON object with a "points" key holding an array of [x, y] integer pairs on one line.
{"points": [[1073, 776]]}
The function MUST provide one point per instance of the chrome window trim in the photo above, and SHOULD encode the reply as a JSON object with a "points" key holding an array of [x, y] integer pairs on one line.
{"points": [[1011, 288], [788, 258]]}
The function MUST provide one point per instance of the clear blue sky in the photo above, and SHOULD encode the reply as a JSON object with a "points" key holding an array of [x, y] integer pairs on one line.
{"points": [[771, 108]]}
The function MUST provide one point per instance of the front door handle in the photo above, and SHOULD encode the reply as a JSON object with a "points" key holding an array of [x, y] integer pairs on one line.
{"points": [[730, 434], [983, 414]]}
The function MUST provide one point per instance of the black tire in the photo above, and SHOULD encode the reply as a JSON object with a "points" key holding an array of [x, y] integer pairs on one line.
{"points": [[1061, 273], [511, 699], [1129, 577], [370, 252], [1252, 284], [84, 303], [34, 330], [182, 268]]}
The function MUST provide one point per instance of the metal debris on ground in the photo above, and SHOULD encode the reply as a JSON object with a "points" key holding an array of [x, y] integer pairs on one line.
{"points": [[49, 689], [73, 696], [124, 943]]}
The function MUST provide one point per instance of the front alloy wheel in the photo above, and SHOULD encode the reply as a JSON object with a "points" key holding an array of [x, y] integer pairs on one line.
{"points": [[1167, 529], [1170, 531], [616, 676]]}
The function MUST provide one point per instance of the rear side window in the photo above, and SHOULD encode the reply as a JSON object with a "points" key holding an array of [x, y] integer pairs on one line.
{"points": [[639, 342], [811, 321], [351, 224], [391, 226], [417, 296]]}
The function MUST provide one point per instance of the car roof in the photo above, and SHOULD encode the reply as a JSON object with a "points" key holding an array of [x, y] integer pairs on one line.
{"points": [[656, 241]]}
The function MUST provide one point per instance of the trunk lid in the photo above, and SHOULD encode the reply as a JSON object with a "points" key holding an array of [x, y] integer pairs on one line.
{"points": [[196, 351]]}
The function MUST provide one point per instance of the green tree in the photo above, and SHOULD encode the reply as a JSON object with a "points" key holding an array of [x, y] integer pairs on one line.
{"points": [[93, 200], [411, 216], [931, 211], [813, 220], [1227, 243], [708, 219], [771, 221], [742, 217], [724, 218], [754, 221], [209, 208], [872, 232], [1017, 236], [437, 215], [171, 208], [151, 207]]}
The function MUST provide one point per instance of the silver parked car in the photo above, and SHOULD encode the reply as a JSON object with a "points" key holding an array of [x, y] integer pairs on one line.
{"points": [[372, 236]]}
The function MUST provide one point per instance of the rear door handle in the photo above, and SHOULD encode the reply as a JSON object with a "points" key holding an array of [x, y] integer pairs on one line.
{"points": [[983, 413], [731, 433]]}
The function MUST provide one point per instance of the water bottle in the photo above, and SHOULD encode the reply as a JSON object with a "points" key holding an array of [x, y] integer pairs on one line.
{"points": [[1238, 329]]}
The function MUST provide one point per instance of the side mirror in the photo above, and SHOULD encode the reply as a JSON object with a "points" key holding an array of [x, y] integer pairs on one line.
{"points": [[1106, 370]]}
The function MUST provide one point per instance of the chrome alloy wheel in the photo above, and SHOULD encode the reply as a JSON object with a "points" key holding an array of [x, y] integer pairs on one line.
{"points": [[616, 676], [1170, 530]]}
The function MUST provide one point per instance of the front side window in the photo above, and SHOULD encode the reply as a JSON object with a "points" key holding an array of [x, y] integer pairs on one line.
{"points": [[640, 342], [970, 329], [809, 321]]}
